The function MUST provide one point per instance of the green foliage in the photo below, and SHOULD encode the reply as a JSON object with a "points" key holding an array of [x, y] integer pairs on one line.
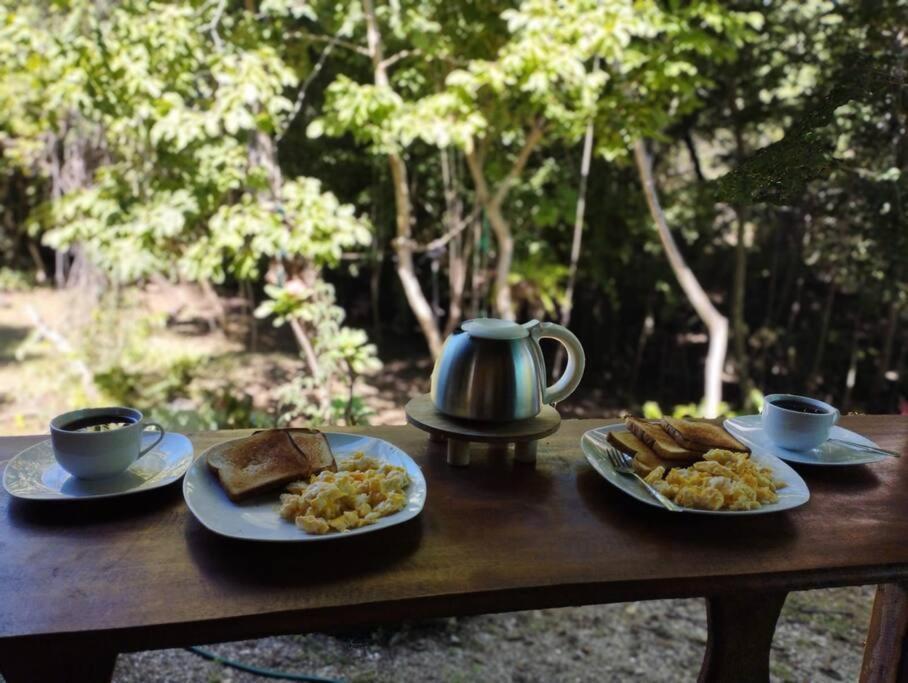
{"points": [[343, 353], [15, 280], [169, 138], [652, 410]]}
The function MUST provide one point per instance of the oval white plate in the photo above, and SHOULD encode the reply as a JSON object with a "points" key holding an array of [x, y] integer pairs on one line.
{"points": [[748, 428], [34, 474], [258, 520], [793, 495]]}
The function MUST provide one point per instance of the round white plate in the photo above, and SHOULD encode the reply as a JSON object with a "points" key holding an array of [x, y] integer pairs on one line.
{"points": [[34, 474], [748, 429], [793, 495], [258, 520]]}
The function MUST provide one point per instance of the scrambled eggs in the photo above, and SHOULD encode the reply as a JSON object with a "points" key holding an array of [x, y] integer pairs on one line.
{"points": [[723, 480], [361, 492]]}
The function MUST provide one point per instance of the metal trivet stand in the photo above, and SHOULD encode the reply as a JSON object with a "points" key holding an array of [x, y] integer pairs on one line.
{"points": [[524, 434]]}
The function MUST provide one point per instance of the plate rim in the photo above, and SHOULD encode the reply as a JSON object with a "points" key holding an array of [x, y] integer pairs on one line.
{"points": [[62, 498], [304, 536], [648, 500], [793, 456]]}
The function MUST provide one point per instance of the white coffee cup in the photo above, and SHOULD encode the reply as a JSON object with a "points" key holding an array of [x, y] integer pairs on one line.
{"points": [[797, 430], [99, 454]]}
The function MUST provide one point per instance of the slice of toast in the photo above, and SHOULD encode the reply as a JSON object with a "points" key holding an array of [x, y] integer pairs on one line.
{"points": [[266, 461], [701, 436], [314, 445], [645, 459], [659, 440]]}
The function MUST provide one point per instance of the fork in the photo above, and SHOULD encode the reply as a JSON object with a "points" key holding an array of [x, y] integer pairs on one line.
{"points": [[867, 448], [621, 465]]}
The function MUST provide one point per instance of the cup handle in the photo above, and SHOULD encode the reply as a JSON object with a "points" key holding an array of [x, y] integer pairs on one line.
{"points": [[837, 415], [161, 433], [576, 360]]}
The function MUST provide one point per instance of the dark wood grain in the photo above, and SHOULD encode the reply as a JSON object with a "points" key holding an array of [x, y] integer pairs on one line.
{"points": [[886, 652], [142, 573], [740, 630]]}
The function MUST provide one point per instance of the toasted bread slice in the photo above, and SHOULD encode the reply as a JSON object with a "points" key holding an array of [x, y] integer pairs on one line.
{"points": [[266, 461], [645, 459], [314, 445], [701, 436], [658, 440]]}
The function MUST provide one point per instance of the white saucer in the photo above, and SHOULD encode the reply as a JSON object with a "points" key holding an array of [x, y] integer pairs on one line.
{"points": [[34, 474], [748, 428]]}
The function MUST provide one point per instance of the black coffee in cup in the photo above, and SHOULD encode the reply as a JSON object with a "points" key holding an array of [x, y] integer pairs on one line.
{"points": [[98, 423], [798, 406]]}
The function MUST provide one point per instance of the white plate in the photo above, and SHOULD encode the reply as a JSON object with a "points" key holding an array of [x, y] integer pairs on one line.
{"points": [[792, 496], [748, 428], [258, 520], [34, 474]]}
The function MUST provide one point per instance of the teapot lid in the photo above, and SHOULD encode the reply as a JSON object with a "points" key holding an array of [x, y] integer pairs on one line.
{"points": [[494, 328]]}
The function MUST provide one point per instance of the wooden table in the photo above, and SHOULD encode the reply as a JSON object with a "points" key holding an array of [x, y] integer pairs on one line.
{"points": [[80, 582]]}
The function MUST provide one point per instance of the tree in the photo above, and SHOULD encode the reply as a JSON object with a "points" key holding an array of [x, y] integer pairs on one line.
{"points": [[164, 117]]}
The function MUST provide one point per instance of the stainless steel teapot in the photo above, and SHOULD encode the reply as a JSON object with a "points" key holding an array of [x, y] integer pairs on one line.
{"points": [[493, 370]]}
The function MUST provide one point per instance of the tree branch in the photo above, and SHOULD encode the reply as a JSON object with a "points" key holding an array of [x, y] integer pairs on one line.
{"points": [[403, 54], [519, 163], [316, 38], [212, 26], [301, 96]]}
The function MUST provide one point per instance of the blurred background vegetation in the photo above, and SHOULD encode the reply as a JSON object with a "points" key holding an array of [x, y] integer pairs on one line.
{"points": [[247, 212]]}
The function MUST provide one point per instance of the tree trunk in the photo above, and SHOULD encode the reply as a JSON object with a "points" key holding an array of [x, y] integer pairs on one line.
{"points": [[306, 345], [694, 157], [852, 376], [646, 331], [739, 283], [813, 379], [716, 323], [492, 202], [579, 213], [458, 251], [738, 323], [403, 243], [885, 363]]}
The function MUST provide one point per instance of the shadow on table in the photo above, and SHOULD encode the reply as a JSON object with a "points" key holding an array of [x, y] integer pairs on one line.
{"points": [[277, 564], [63, 514], [851, 479], [492, 472]]}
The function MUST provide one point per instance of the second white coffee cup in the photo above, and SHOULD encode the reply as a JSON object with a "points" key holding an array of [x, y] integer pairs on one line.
{"points": [[797, 423]]}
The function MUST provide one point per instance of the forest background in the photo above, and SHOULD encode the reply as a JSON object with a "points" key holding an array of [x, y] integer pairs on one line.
{"points": [[247, 212]]}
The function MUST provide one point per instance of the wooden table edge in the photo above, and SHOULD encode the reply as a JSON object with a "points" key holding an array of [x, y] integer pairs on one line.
{"points": [[328, 619]]}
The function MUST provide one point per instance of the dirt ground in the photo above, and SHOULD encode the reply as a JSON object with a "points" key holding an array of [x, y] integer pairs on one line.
{"points": [[819, 637]]}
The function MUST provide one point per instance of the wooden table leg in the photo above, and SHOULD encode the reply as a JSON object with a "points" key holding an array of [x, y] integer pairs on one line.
{"points": [[525, 451], [77, 662], [458, 453], [886, 651], [740, 630]]}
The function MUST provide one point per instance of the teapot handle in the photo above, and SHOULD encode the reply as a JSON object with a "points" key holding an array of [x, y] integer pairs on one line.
{"points": [[576, 359]]}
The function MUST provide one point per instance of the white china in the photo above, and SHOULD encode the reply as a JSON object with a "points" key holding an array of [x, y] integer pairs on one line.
{"points": [[101, 454], [795, 430], [793, 495], [34, 474], [749, 429], [258, 520]]}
